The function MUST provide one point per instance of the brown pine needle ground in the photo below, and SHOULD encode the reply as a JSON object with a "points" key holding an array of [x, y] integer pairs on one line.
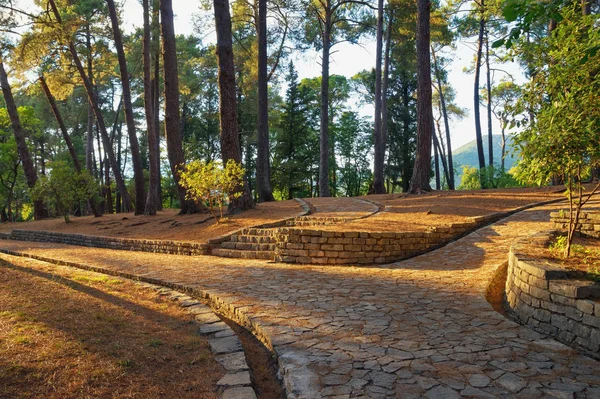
{"points": [[66, 333]]}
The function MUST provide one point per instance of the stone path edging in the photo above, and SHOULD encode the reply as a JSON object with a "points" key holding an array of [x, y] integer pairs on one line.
{"points": [[224, 343]]}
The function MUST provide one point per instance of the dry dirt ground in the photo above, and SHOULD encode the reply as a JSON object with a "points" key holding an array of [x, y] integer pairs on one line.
{"points": [[167, 224], [67, 333], [417, 212], [403, 213]]}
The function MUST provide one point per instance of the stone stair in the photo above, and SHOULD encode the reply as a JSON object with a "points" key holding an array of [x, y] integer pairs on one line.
{"points": [[307, 221], [249, 243], [260, 243]]}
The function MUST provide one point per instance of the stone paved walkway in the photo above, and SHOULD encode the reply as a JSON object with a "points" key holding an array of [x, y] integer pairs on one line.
{"points": [[417, 328], [346, 207]]}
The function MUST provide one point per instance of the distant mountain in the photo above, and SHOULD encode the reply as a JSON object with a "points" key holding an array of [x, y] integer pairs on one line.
{"points": [[467, 155]]}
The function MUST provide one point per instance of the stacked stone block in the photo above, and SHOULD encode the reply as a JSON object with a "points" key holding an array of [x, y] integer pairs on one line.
{"points": [[129, 244], [589, 222], [544, 298], [352, 247]]}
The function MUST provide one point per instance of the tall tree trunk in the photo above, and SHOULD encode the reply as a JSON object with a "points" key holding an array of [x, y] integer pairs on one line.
{"points": [[89, 149], [478, 135], [93, 100], [438, 77], [378, 183], [155, 56], [384, 88], [134, 147], [66, 137], [489, 101], [436, 163], [503, 146], [439, 150], [153, 144], [324, 120], [263, 172], [30, 174], [420, 178], [172, 120], [230, 142]]}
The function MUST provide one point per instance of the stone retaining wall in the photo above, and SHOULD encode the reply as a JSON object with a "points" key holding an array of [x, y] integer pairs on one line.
{"points": [[542, 297], [332, 247], [589, 222], [130, 244]]}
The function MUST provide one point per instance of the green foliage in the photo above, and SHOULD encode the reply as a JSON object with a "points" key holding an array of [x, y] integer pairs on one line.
{"points": [[65, 188], [491, 176], [562, 140], [211, 184]]}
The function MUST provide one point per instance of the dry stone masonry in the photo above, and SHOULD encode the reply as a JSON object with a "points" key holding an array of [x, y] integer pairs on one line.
{"points": [[589, 222], [130, 244], [543, 298]]}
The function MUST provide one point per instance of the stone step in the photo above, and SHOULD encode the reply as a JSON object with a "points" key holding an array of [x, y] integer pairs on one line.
{"points": [[258, 232], [299, 223], [247, 246], [236, 253], [254, 239]]}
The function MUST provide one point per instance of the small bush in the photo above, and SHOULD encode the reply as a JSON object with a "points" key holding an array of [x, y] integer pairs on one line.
{"points": [[211, 184]]}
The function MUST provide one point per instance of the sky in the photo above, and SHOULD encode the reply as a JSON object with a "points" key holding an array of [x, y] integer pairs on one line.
{"points": [[347, 60]]}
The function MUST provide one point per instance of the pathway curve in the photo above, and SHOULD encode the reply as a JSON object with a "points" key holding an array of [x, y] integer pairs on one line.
{"points": [[417, 328], [344, 207]]}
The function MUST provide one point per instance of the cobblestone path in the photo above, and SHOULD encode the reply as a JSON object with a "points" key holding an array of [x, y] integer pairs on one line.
{"points": [[417, 328]]}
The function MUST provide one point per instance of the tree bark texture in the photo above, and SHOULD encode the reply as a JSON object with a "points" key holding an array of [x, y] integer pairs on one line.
{"points": [[263, 171], [476, 113], [29, 170], [489, 101], [378, 182], [153, 144], [384, 87], [230, 142], [421, 172], [172, 120], [324, 120], [134, 147], [440, 88]]}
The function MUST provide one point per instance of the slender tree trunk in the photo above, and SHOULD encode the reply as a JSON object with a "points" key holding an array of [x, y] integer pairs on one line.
{"points": [[153, 144], [478, 135], [438, 77], [503, 146], [384, 88], [439, 150], [263, 172], [89, 149], [489, 101], [61, 123], [230, 142], [30, 174], [134, 147], [420, 178], [155, 56], [66, 137], [436, 163], [324, 120], [378, 183], [172, 119], [99, 117]]}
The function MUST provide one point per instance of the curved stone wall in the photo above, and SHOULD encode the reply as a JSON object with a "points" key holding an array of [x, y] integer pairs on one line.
{"points": [[543, 297], [130, 244]]}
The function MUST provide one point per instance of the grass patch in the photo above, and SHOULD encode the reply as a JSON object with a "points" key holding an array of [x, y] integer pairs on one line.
{"points": [[584, 261]]}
